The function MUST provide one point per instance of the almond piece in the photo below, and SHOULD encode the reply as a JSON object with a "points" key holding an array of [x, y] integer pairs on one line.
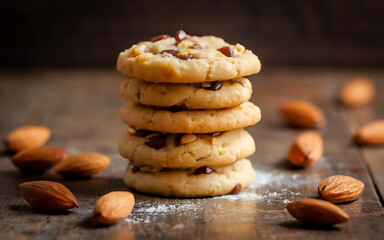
{"points": [[339, 189], [302, 114], [314, 211], [357, 92], [48, 195], [27, 137], [371, 133], [82, 165], [113, 207], [306, 149], [39, 158]]}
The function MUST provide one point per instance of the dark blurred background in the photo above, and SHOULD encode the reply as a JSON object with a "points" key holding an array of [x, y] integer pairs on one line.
{"points": [[74, 33]]}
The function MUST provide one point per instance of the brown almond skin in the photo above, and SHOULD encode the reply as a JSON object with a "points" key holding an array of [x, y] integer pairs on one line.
{"points": [[318, 212], [306, 149], [340, 189], [113, 207], [302, 114], [39, 158], [357, 92], [82, 165], [48, 195], [371, 133], [27, 137]]}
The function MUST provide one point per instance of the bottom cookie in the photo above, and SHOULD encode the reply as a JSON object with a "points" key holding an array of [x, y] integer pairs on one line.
{"points": [[201, 182]]}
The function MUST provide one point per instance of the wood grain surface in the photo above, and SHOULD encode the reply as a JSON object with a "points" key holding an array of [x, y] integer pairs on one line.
{"points": [[82, 109]]}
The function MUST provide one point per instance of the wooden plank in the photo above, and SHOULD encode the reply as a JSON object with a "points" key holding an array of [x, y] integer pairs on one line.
{"points": [[82, 108], [373, 155]]}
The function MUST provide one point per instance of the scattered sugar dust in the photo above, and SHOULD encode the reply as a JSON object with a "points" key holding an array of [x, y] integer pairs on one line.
{"points": [[284, 187]]}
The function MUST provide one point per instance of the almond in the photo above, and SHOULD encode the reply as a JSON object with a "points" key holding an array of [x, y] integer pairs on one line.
{"points": [[306, 149], [314, 211], [113, 207], [82, 165], [39, 158], [339, 189], [371, 133], [357, 92], [302, 114], [27, 137], [48, 195]]}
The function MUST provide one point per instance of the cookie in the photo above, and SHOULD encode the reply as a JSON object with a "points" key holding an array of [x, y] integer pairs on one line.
{"points": [[187, 59], [190, 121], [202, 182], [152, 152], [210, 95]]}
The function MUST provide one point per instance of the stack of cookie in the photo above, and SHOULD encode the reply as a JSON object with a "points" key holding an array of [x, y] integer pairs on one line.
{"points": [[189, 105]]}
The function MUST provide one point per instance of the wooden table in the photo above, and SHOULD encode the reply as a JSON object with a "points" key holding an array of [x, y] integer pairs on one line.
{"points": [[82, 108]]}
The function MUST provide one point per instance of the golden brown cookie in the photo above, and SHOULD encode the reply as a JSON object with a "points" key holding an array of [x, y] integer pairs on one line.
{"points": [[190, 121], [209, 95], [187, 59], [201, 182], [151, 151]]}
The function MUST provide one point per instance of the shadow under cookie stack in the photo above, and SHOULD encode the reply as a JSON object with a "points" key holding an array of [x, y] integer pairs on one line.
{"points": [[188, 107]]}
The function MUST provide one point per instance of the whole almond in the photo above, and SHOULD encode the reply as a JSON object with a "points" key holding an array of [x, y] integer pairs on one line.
{"points": [[314, 211], [371, 133], [27, 137], [39, 158], [302, 114], [48, 195], [306, 149], [339, 189], [82, 165], [113, 207], [357, 92]]}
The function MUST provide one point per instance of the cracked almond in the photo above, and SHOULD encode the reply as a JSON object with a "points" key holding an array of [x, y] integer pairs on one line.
{"points": [[315, 211], [339, 189], [48, 195], [306, 149], [302, 114], [113, 207]]}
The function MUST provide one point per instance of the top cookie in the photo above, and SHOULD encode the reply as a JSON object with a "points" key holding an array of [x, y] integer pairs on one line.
{"points": [[187, 59]]}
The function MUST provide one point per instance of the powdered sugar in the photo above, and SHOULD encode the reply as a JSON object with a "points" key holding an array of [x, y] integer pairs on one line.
{"points": [[272, 187]]}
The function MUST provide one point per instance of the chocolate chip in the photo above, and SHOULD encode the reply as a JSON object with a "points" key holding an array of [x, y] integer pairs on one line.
{"points": [[214, 86], [170, 51], [143, 133], [156, 142], [203, 170], [236, 189], [187, 56], [160, 37], [227, 51], [180, 35], [177, 108]]}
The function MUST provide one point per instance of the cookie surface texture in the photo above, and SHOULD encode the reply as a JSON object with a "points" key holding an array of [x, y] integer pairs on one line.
{"points": [[190, 121], [184, 183], [203, 150], [211, 95], [192, 60]]}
